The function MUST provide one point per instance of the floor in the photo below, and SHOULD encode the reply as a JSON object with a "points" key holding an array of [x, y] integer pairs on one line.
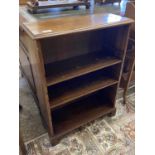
{"points": [[105, 136]]}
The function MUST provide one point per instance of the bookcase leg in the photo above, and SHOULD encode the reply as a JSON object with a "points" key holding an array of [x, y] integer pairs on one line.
{"points": [[54, 141], [112, 113]]}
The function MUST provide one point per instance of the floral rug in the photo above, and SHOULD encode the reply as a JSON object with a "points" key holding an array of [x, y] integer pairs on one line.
{"points": [[104, 136]]}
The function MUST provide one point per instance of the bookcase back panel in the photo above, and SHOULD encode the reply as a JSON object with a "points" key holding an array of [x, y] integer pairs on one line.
{"points": [[60, 48], [68, 46]]}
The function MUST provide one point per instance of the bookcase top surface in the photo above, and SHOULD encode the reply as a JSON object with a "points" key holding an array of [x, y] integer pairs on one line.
{"points": [[71, 24]]}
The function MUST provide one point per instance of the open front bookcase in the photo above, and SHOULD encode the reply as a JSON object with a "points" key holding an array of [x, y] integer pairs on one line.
{"points": [[75, 75]]}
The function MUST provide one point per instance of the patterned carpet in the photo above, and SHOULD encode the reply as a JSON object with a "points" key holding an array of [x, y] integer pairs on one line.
{"points": [[104, 136]]}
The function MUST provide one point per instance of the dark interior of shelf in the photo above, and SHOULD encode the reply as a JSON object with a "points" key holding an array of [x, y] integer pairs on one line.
{"points": [[77, 66], [71, 90], [60, 48], [82, 111]]}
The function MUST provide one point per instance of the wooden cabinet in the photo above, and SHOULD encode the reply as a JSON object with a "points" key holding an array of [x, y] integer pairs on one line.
{"points": [[76, 66]]}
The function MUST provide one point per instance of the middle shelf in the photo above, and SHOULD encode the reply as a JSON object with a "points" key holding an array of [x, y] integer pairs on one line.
{"points": [[68, 91], [60, 71]]}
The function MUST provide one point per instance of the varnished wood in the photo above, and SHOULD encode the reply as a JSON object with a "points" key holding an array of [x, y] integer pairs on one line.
{"points": [[67, 25], [40, 81], [76, 67], [65, 96], [129, 64], [85, 64], [130, 12], [81, 112], [121, 43]]}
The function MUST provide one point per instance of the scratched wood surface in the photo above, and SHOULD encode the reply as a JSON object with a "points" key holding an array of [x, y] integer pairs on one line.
{"points": [[59, 26]]}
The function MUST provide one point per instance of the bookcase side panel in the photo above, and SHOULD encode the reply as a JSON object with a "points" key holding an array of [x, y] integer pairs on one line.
{"points": [[121, 44], [40, 82]]}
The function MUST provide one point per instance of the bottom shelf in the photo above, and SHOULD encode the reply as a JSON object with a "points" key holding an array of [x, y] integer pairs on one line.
{"points": [[82, 111]]}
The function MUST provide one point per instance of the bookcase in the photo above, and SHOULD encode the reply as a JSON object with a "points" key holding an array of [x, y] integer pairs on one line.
{"points": [[73, 66]]}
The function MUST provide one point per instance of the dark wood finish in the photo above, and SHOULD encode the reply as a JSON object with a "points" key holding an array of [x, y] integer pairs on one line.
{"points": [[36, 59], [76, 68], [38, 5], [128, 75], [130, 12], [52, 28], [81, 112], [67, 95]]}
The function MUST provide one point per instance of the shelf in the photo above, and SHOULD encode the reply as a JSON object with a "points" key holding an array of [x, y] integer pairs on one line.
{"points": [[72, 116], [69, 91], [74, 67]]}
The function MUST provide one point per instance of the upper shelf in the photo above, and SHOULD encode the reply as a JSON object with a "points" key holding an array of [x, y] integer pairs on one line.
{"points": [[73, 24], [78, 66]]}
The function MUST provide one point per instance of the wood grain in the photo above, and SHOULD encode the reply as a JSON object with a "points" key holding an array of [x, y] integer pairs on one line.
{"points": [[81, 112], [67, 25], [78, 66], [65, 96]]}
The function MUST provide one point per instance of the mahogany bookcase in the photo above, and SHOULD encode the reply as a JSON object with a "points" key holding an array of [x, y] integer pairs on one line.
{"points": [[73, 66]]}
